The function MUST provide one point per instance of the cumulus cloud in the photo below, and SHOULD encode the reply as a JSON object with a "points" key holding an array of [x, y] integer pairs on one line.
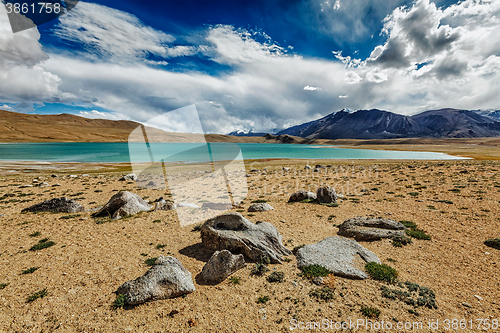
{"points": [[23, 79], [235, 46], [6, 107], [309, 88], [94, 114], [353, 20], [106, 32]]}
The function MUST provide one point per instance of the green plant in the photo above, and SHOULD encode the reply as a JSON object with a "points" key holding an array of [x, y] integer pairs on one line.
{"points": [[235, 279], [414, 194], [160, 246], [370, 312], [381, 272], [150, 261], [276, 277], [35, 234], [259, 201], [156, 221], [418, 234], [399, 241], [308, 201], [414, 295], [263, 299], [315, 270], [144, 254], [260, 267], [30, 270], [42, 244], [414, 231], [494, 243], [39, 294], [3, 285], [324, 293], [408, 224], [119, 302]]}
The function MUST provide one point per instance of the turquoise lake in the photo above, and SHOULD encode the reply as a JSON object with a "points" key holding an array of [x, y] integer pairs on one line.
{"points": [[193, 152]]}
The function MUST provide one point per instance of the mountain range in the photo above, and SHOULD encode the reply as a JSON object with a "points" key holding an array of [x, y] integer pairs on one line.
{"points": [[379, 124]]}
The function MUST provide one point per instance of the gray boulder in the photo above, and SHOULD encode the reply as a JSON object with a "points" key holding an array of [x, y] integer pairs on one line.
{"points": [[63, 205], [336, 254], [129, 177], [260, 207], [167, 278], [43, 184], [164, 205], [302, 195], [123, 204], [221, 265], [326, 194], [371, 228], [233, 232]]}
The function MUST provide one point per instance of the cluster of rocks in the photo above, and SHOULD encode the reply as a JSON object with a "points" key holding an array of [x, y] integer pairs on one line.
{"points": [[235, 241], [324, 194]]}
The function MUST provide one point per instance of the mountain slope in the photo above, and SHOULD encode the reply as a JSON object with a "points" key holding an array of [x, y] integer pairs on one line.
{"points": [[20, 127], [379, 124], [453, 123]]}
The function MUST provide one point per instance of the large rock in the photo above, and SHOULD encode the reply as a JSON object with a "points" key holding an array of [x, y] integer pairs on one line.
{"points": [[302, 195], [129, 177], [221, 265], [336, 254], [63, 205], [161, 204], [326, 194], [167, 278], [260, 207], [123, 204], [233, 232], [371, 228]]}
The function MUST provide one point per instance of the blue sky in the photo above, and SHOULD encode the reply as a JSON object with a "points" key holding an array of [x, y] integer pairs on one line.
{"points": [[253, 64]]}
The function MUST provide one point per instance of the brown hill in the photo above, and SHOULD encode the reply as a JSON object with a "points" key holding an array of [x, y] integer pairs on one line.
{"points": [[21, 127]]}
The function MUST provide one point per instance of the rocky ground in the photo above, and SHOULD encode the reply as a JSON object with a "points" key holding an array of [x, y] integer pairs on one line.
{"points": [[455, 202]]}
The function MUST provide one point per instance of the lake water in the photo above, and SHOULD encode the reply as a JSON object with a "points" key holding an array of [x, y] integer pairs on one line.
{"points": [[193, 152]]}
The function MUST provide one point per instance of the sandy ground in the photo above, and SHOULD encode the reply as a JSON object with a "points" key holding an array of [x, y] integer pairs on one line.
{"points": [[89, 261]]}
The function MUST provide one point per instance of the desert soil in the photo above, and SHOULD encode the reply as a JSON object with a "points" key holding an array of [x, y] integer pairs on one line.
{"points": [[456, 202]]}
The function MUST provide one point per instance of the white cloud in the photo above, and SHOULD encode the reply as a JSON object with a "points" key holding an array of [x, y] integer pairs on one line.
{"points": [[94, 114], [6, 107], [23, 79], [312, 88], [109, 32], [352, 78], [232, 46], [343, 96]]}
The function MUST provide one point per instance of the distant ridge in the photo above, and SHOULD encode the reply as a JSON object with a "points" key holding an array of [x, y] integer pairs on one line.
{"points": [[379, 124], [21, 127]]}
